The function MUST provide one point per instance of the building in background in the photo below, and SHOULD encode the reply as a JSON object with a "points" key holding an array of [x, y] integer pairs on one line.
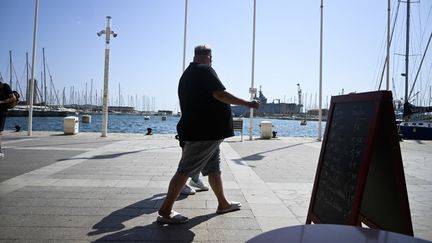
{"points": [[277, 109]]}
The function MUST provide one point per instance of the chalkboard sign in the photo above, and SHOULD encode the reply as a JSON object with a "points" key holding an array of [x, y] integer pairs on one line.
{"points": [[341, 161], [357, 138]]}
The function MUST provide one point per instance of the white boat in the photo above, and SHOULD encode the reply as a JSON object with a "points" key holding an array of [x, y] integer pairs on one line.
{"points": [[41, 111], [146, 117]]}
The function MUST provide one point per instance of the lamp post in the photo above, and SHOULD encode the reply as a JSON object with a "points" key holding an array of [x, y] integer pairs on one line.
{"points": [[108, 32], [320, 73], [252, 90], [185, 35]]}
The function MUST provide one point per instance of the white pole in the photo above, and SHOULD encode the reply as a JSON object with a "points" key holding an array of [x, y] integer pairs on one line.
{"points": [[320, 74], [107, 33], [105, 87], [252, 90], [32, 82], [388, 46], [184, 35]]}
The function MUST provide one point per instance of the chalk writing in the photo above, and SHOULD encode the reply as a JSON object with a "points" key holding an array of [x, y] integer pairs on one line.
{"points": [[346, 136]]}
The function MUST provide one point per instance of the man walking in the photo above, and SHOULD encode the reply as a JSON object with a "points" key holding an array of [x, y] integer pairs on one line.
{"points": [[205, 122]]}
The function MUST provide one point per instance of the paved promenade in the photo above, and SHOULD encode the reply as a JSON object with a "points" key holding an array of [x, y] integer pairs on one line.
{"points": [[84, 188]]}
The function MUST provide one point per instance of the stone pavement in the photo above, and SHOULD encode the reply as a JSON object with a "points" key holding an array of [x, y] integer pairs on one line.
{"points": [[84, 188]]}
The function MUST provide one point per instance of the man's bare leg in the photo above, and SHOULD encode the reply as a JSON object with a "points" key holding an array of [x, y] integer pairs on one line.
{"points": [[215, 182], [175, 186]]}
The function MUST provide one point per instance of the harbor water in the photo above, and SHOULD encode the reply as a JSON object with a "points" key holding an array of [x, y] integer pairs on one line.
{"points": [[137, 124]]}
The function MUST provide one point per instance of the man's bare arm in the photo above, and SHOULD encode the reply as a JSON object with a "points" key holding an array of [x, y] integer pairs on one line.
{"points": [[11, 99], [228, 98]]}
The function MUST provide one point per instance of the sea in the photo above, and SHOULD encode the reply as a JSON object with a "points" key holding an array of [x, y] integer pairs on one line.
{"points": [[137, 124]]}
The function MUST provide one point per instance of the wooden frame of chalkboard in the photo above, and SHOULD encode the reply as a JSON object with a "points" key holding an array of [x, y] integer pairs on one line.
{"points": [[360, 151]]}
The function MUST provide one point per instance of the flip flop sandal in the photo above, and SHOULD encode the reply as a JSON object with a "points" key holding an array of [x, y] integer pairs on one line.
{"points": [[234, 207], [177, 218]]}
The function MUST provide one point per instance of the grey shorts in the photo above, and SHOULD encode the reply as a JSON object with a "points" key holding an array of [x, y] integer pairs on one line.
{"points": [[200, 156]]}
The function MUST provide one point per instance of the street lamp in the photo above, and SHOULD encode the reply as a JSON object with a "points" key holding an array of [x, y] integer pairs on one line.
{"points": [[107, 32], [252, 90], [320, 73]]}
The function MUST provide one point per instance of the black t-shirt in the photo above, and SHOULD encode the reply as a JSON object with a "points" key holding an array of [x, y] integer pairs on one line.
{"points": [[203, 116], [5, 93]]}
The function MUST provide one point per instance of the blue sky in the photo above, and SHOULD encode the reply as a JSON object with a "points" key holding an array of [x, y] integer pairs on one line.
{"points": [[146, 58]]}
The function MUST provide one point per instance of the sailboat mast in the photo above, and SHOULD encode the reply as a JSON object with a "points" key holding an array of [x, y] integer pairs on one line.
{"points": [[420, 65], [64, 97], [91, 94], [10, 67], [85, 96], [388, 46], [44, 77], [28, 80], [407, 49]]}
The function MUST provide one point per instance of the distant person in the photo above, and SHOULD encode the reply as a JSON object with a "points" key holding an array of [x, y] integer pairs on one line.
{"points": [[195, 182], [149, 131], [6, 97], [205, 122]]}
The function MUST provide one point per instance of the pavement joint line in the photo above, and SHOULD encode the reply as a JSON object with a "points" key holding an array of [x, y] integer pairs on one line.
{"points": [[246, 177], [40, 175], [48, 148], [17, 141]]}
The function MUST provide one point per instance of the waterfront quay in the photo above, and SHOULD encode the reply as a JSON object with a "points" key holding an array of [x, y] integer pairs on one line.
{"points": [[85, 188]]}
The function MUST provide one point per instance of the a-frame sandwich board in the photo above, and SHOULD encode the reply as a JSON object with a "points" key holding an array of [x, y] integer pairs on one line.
{"points": [[360, 176]]}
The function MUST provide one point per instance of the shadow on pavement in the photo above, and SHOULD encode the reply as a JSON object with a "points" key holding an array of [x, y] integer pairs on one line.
{"points": [[260, 156], [114, 221], [154, 231], [103, 156], [159, 232], [114, 155]]}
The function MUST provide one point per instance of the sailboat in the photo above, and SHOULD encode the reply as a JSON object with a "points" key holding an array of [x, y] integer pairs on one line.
{"points": [[41, 109], [415, 129], [414, 125]]}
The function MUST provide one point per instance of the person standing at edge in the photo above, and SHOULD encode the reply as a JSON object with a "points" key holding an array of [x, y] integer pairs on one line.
{"points": [[6, 97], [205, 122]]}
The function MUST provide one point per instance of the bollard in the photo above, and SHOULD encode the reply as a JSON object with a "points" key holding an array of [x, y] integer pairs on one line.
{"points": [[86, 118], [71, 125], [266, 129]]}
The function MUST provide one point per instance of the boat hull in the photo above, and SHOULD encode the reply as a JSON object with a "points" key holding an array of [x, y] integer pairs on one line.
{"points": [[36, 113], [416, 132]]}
